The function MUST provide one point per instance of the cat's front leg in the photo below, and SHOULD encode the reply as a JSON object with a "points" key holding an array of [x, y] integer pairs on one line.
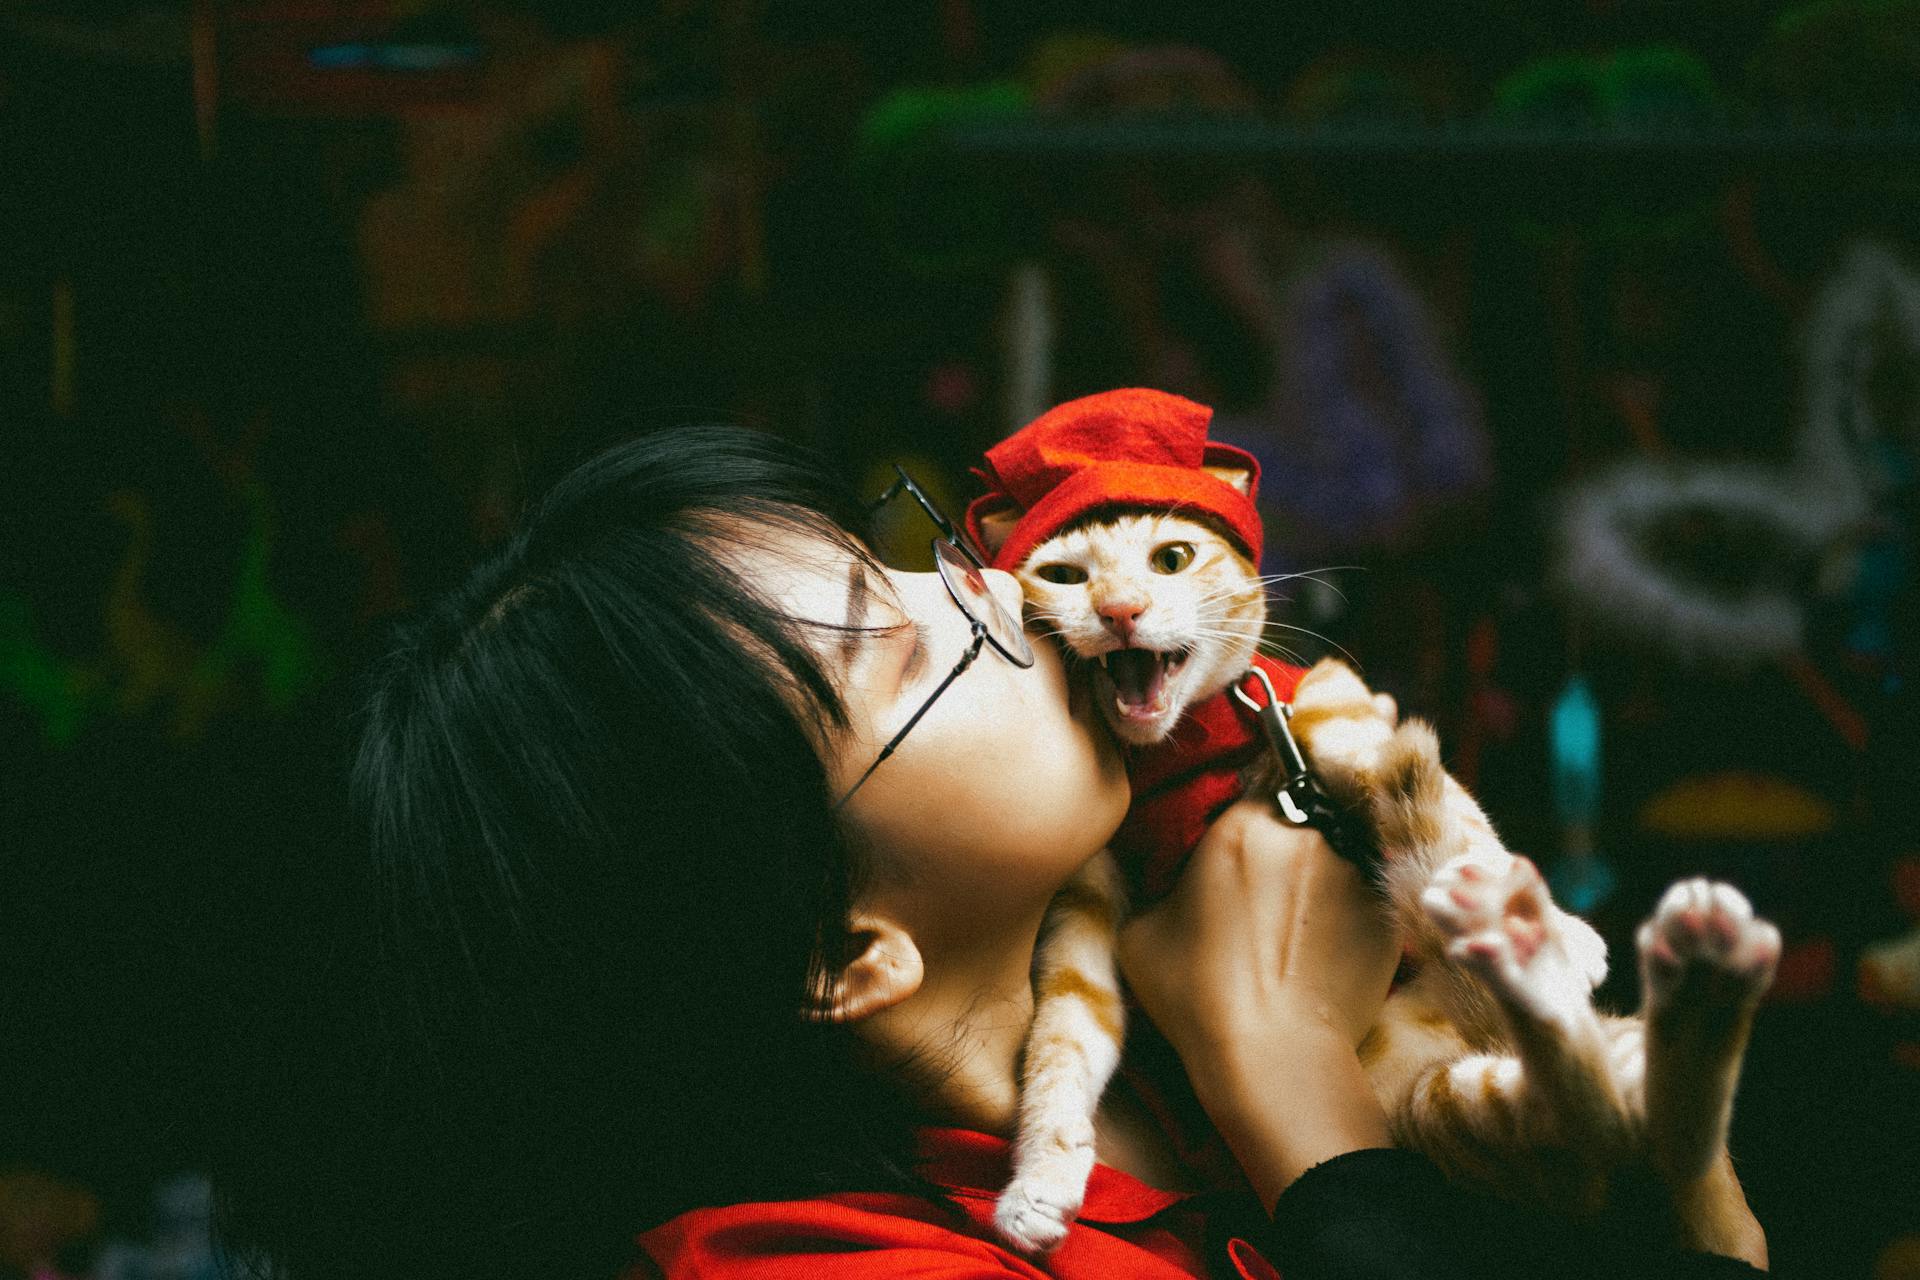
{"points": [[1071, 1052]]}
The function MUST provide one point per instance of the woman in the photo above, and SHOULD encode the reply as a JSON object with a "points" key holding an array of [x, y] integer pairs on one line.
{"points": [[708, 857]]}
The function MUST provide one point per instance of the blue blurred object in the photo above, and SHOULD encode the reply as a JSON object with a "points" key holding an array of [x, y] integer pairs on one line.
{"points": [[180, 1246], [1576, 753], [393, 57], [1886, 561], [1581, 880]]}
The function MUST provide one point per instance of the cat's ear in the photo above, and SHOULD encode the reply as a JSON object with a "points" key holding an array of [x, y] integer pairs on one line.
{"points": [[1240, 479], [994, 528], [886, 970]]}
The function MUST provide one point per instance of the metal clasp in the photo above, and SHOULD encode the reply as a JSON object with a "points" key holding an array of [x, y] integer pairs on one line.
{"points": [[1296, 796]]}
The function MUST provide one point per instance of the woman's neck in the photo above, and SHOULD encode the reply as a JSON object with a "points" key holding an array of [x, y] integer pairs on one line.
{"points": [[963, 1030], [962, 1033]]}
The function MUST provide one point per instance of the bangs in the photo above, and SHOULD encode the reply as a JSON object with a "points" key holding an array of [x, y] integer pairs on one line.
{"points": [[791, 645]]}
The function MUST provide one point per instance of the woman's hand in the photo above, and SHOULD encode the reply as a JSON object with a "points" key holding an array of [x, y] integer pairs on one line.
{"points": [[1264, 968], [1268, 930]]}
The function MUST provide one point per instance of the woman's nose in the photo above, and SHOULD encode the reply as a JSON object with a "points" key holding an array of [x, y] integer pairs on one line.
{"points": [[1006, 589]]}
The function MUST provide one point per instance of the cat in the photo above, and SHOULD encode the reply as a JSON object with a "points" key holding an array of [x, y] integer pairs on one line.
{"points": [[1492, 1059]]}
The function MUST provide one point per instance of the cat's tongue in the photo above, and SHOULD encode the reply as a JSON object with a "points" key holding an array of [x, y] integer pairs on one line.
{"points": [[1139, 680]]}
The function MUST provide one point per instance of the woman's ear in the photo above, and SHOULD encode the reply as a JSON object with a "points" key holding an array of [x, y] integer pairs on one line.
{"points": [[886, 970]]}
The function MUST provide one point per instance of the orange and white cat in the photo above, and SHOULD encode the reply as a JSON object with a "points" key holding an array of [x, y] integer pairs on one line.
{"points": [[1492, 1060]]}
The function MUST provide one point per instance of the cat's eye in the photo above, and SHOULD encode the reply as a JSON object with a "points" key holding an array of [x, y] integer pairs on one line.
{"points": [[1063, 574], [1171, 558]]}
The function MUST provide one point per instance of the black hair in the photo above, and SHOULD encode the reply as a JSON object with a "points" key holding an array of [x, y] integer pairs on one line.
{"points": [[598, 874]]}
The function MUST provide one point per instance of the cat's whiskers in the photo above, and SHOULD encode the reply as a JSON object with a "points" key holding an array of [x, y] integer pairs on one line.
{"points": [[1241, 601], [1309, 631], [1312, 575], [1232, 587], [1225, 637], [1263, 581], [1227, 634], [1050, 633]]}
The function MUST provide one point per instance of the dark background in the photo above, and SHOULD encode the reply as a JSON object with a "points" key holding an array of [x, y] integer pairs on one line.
{"points": [[299, 303]]}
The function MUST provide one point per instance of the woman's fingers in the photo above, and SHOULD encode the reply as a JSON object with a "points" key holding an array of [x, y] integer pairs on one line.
{"points": [[1265, 923]]}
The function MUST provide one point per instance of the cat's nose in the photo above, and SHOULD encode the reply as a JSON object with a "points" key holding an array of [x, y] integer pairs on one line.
{"points": [[1121, 616]]}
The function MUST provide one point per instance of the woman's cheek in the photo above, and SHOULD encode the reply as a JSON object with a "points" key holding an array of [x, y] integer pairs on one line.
{"points": [[1072, 787], [1097, 755]]}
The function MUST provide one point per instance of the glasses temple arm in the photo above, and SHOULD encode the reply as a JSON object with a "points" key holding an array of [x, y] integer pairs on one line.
{"points": [[979, 639], [888, 496]]}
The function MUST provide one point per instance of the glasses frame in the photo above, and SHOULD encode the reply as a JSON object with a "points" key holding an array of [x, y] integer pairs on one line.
{"points": [[954, 538]]}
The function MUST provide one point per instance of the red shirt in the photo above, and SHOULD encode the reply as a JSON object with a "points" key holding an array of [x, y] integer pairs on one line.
{"points": [[1126, 1229]]}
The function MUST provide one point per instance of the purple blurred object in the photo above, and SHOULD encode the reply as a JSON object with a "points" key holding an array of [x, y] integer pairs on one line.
{"points": [[1374, 424]]}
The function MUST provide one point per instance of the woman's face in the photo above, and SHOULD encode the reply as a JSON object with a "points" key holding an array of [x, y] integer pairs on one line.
{"points": [[1003, 789]]}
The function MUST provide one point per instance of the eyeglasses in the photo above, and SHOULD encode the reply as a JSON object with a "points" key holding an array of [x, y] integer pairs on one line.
{"points": [[959, 566]]}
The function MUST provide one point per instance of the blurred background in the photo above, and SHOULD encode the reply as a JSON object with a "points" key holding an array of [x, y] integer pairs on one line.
{"points": [[1579, 340]]}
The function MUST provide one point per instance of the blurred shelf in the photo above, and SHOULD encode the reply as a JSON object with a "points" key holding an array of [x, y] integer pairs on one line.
{"points": [[1606, 179], [1145, 140]]}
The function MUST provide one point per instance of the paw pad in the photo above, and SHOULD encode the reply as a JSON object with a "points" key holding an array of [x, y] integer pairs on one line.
{"points": [[1707, 930], [1502, 924], [1489, 904], [1032, 1223]]}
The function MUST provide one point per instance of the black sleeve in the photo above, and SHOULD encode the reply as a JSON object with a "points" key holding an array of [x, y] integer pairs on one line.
{"points": [[1386, 1214]]}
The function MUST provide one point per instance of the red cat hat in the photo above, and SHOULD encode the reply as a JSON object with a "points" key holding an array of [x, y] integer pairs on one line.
{"points": [[1127, 448]]}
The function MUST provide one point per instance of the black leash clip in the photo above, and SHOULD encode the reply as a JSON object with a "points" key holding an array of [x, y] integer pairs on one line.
{"points": [[1301, 800]]}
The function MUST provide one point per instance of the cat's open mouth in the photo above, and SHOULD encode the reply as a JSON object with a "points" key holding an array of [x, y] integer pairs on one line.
{"points": [[1139, 679]]}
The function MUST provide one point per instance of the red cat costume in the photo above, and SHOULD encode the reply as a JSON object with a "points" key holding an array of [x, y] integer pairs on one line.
{"points": [[1137, 448]]}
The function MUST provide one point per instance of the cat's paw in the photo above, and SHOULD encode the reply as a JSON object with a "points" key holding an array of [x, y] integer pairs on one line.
{"points": [[1491, 906], [1033, 1213], [1704, 941], [1501, 923], [1342, 725]]}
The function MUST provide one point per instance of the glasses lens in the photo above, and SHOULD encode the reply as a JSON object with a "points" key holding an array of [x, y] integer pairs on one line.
{"points": [[976, 599]]}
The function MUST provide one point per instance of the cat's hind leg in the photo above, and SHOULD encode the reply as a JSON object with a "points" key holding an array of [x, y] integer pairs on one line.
{"points": [[1071, 1052], [1705, 961], [1475, 1114], [1537, 962]]}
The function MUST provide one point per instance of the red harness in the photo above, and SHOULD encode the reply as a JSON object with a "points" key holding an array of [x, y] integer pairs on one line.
{"points": [[1181, 783]]}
